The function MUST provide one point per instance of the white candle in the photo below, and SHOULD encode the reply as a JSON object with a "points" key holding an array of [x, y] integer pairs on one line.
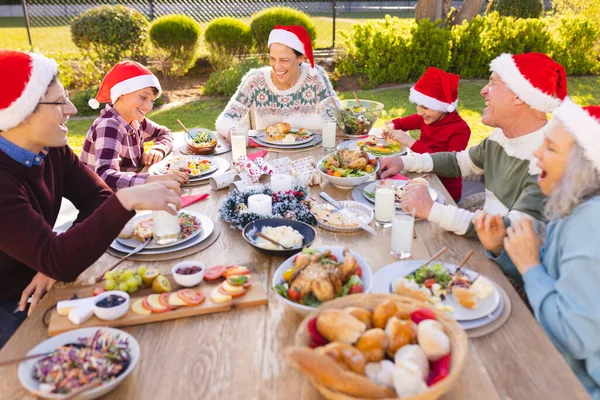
{"points": [[384, 205], [238, 147], [260, 204], [328, 132], [166, 226], [281, 183]]}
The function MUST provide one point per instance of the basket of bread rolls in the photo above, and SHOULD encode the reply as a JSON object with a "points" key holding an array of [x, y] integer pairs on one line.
{"points": [[379, 346]]}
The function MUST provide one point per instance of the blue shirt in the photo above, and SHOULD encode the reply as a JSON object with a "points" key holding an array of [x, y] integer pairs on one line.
{"points": [[20, 154]]}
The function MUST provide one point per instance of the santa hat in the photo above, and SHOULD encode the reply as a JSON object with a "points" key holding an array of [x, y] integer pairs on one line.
{"points": [[584, 124], [24, 79], [537, 79], [293, 36], [125, 77], [436, 90]]}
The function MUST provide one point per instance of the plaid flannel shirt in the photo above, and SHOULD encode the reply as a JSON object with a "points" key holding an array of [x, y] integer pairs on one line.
{"points": [[113, 148]]}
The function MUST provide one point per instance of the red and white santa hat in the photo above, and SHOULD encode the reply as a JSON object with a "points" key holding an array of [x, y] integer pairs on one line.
{"points": [[584, 124], [125, 77], [537, 79], [436, 90], [294, 36], [24, 80]]}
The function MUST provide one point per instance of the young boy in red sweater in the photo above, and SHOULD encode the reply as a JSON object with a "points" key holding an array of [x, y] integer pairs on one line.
{"points": [[442, 129]]}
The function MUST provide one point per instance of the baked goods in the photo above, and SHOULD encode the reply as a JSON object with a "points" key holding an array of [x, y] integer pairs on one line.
{"points": [[414, 354], [347, 356], [408, 287], [383, 312], [362, 314], [433, 340], [143, 230], [277, 131], [407, 380], [127, 230], [373, 344], [382, 372], [399, 333], [337, 325]]}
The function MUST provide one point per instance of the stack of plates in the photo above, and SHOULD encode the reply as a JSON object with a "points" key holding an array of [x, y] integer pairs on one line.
{"points": [[362, 193], [218, 166], [126, 245], [313, 140], [487, 311]]}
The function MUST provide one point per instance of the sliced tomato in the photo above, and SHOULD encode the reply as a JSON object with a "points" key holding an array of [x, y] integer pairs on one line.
{"points": [[191, 297], [238, 280], [373, 161], [294, 294], [154, 310], [358, 271], [164, 300], [358, 288], [234, 295], [214, 273], [429, 282]]}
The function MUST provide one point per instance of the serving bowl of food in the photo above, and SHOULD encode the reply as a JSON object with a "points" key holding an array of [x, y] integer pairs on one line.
{"points": [[379, 346], [348, 168], [357, 118], [202, 141], [317, 275], [293, 235]]}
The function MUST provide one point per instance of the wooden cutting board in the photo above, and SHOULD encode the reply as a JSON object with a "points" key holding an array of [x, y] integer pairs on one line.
{"points": [[255, 296]]}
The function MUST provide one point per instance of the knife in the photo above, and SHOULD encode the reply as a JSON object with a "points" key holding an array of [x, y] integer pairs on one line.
{"points": [[139, 248], [347, 213]]}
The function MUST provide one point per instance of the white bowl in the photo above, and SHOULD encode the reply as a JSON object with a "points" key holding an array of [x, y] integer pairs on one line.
{"points": [[348, 183], [188, 280], [338, 251], [26, 367], [111, 313]]}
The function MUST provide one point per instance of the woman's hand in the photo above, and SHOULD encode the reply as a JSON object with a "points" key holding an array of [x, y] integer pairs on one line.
{"points": [[522, 244], [491, 231], [404, 138], [153, 156], [39, 285]]}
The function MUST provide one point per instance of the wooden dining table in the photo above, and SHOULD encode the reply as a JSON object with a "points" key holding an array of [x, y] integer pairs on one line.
{"points": [[238, 354]]}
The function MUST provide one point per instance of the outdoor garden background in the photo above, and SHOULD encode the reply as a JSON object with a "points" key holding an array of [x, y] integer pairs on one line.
{"points": [[200, 49]]}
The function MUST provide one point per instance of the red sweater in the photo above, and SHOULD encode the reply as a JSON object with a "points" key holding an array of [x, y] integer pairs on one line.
{"points": [[30, 199], [451, 133]]}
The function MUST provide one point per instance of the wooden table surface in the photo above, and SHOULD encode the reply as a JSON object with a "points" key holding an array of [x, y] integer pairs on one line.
{"points": [[237, 354]]}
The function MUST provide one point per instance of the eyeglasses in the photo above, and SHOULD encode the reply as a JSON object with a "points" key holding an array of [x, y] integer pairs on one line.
{"points": [[62, 103]]}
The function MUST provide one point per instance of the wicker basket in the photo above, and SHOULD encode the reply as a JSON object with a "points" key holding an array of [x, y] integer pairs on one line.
{"points": [[458, 340]]}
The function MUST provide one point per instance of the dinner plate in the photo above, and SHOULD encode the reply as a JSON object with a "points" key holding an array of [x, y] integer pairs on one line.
{"points": [[316, 139], [207, 227], [32, 385], [370, 188], [263, 138], [133, 243], [361, 211], [353, 145], [478, 323], [160, 168], [384, 278]]}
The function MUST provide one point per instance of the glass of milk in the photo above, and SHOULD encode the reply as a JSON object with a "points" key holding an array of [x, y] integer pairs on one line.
{"points": [[384, 205], [166, 227], [328, 130], [403, 224]]}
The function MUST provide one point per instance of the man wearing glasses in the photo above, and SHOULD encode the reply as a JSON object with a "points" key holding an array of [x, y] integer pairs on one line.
{"points": [[38, 169]]}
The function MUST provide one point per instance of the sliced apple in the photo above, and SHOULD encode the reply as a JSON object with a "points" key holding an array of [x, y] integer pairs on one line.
{"points": [[175, 300], [138, 308], [237, 271], [231, 289], [218, 297], [153, 302]]}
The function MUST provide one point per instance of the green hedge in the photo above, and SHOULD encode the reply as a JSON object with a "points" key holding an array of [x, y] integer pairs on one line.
{"points": [[521, 8], [225, 83], [227, 38], [390, 51], [264, 21]]}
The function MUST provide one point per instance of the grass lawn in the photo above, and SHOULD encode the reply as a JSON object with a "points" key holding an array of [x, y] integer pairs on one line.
{"points": [[584, 90]]}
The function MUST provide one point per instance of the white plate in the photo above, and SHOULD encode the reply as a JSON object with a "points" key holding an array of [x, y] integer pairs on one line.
{"points": [[207, 227], [478, 323], [353, 145], [384, 278], [263, 138], [316, 139], [32, 385], [160, 168], [363, 212], [133, 243], [397, 183], [221, 164]]}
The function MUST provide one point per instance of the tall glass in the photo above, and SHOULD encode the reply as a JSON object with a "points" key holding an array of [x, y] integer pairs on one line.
{"points": [[166, 227], [241, 128], [238, 146], [402, 233], [384, 205], [328, 130]]}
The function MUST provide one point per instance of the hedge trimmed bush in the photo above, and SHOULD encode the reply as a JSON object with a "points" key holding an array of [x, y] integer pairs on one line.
{"points": [[575, 39], [227, 38], [264, 21], [429, 47], [112, 33], [225, 83], [521, 8], [175, 38]]}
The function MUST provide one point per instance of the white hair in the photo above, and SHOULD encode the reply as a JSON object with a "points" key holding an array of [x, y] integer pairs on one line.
{"points": [[579, 182]]}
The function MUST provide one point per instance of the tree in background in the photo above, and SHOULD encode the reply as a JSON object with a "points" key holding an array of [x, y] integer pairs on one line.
{"points": [[440, 9]]}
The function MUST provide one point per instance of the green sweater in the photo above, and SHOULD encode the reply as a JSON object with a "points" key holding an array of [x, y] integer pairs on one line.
{"points": [[510, 171]]}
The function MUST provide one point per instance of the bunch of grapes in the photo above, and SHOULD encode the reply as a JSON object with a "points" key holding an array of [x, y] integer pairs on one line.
{"points": [[128, 280]]}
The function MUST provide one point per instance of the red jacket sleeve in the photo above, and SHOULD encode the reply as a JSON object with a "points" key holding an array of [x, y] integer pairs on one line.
{"points": [[457, 141], [409, 123]]}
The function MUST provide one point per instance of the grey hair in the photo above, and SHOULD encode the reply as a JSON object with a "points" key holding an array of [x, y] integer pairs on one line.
{"points": [[579, 182]]}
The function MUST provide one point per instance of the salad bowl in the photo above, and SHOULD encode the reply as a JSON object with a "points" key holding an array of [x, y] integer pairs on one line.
{"points": [[347, 178]]}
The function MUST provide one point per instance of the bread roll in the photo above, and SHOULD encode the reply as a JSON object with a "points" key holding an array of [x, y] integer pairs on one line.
{"points": [[410, 288], [127, 231], [143, 230], [326, 371], [338, 326], [399, 333], [361, 314], [348, 356], [373, 344], [433, 340], [383, 312], [407, 380], [414, 354], [382, 373]]}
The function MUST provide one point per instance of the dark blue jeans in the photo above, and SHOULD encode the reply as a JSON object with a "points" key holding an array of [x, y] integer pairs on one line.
{"points": [[10, 321]]}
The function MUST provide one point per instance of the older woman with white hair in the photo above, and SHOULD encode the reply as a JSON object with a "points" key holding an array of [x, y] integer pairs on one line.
{"points": [[562, 278]]}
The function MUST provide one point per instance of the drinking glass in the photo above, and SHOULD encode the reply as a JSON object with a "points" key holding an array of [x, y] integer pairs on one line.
{"points": [[384, 205], [166, 227], [402, 233], [328, 130]]}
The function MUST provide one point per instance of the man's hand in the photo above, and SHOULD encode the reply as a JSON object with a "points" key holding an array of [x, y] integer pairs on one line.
{"points": [[39, 285], [151, 196], [390, 166], [491, 231], [417, 197]]}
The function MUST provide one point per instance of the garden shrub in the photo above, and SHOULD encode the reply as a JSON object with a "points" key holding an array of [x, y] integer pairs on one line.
{"points": [[226, 82], [521, 8], [175, 39], [111, 34], [227, 38], [429, 47], [468, 58], [264, 21], [574, 44]]}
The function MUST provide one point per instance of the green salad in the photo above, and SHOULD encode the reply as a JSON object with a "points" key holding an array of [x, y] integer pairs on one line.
{"points": [[436, 271]]}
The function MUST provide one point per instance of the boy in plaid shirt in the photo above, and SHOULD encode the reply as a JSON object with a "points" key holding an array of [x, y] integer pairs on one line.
{"points": [[114, 145]]}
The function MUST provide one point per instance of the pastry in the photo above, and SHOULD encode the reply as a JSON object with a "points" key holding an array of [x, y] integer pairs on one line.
{"points": [[433, 340], [383, 312], [347, 356], [407, 380], [143, 230], [338, 326], [410, 288], [373, 344], [277, 131], [362, 314], [414, 354], [399, 333], [382, 373], [127, 231]]}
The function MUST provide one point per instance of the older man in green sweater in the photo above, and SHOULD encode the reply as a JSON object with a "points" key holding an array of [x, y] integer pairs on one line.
{"points": [[521, 89]]}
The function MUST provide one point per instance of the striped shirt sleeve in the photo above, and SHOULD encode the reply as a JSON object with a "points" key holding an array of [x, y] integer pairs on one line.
{"points": [[160, 135]]}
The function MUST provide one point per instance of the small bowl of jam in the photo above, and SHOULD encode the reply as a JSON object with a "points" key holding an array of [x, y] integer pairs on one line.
{"points": [[188, 273], [111, 305]]}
